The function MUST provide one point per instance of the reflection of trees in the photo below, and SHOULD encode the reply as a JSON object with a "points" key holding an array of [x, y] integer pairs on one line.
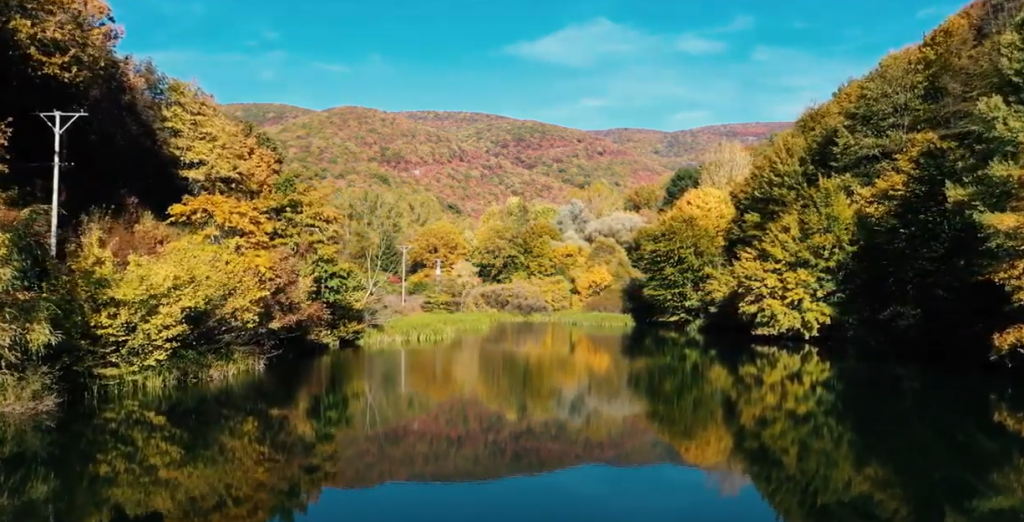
{"points": [[834, 443], [527, 370], [820, 441], [516, 401]]}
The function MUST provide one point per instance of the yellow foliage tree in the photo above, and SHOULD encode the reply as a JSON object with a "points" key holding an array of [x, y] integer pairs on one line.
{"points": [[557, 292], [711, 207], [193, 294], [725, 166], [224, 218], [592, 281], [599, 198], [440, 240], [644, 197], [516, 241], [787, 282], [569, 257], [215, 154], [65, 39]]}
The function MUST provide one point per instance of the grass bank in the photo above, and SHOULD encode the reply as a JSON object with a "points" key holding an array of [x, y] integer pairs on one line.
{"points": [[437, 327]]}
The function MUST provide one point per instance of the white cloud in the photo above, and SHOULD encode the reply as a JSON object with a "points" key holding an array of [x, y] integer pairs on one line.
{"points": [[582, 45], [740, 23], [693, 44], [587, 44], [332, 67], [690, 119], [594, 102], [661, 81], [264, 66]]}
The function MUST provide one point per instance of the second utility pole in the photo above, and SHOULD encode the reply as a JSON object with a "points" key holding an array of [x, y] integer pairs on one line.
{"points": [[405, 248], [58, 129]]}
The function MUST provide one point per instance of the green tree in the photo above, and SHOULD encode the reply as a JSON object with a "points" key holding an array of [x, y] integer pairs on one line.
{"points": [[683, 180], [789, 281], [683, 256], [515, 241]]}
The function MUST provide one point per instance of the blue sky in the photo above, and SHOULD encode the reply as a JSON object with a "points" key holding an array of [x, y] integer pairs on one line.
{"points": [[591, 64]]}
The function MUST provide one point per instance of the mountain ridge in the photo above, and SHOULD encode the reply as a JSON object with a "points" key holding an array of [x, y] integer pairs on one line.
{"points": [[472, 160], [238, 108]]}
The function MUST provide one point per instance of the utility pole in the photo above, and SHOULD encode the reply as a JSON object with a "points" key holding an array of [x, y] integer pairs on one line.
{"points": [[58, 130], [405, 248]]}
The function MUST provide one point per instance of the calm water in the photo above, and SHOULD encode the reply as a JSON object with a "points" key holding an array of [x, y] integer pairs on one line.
{"points": [[533, 422]]}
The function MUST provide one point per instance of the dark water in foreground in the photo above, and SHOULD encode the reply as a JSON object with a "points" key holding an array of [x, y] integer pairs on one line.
{"points": [[533, 422]]}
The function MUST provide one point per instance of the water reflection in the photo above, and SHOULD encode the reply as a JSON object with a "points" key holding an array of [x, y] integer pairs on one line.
{"points": [[772, 433]]}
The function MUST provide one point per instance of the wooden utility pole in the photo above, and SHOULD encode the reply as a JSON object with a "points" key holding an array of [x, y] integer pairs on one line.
{"points": [[405, 248], [58, 130]]}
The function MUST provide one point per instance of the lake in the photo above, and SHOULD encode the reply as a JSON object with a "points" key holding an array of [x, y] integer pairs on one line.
{"points": [[533, 422]]}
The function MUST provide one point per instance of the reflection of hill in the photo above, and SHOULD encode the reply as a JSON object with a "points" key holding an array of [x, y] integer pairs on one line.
{"points": [[521, 370], [466, 441]]}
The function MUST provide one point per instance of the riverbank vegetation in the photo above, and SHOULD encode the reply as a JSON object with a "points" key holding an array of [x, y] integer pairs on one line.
{"points": [[887, 217], [441, 326]]}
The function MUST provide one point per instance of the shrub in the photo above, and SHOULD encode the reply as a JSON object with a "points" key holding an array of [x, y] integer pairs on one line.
{"points": [[517, 297], [385, 308], [557, 292], [611, 300], [27, 307], [644, 197], [573, 218], [30, 391], [337, 287], [592, 281], [193, 299], [447, 295], [620, 227]]}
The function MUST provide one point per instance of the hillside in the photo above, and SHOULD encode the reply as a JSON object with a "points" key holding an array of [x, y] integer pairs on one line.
{"points": [[470, 160], [265, 114], [675, 149]]}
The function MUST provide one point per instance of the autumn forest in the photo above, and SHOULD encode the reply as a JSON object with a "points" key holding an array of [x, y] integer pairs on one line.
{"points": [[197, 240]]}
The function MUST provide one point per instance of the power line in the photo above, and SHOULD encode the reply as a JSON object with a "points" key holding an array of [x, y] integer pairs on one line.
{"points": [[58, 130]]}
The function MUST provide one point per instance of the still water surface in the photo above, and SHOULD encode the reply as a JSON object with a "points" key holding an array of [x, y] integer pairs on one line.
{"points": [[533, 422]]}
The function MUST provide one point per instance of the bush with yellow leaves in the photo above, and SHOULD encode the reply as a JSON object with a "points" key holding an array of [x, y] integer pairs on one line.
{"points": [[193, 299]]}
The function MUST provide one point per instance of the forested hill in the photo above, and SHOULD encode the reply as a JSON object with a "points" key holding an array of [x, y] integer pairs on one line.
{"points": [[675, 149], [471, 161]]}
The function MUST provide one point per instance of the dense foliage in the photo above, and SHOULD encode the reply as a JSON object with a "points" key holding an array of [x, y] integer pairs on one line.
{"points": [[890, 213], [182, 241], [472, 161]]}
